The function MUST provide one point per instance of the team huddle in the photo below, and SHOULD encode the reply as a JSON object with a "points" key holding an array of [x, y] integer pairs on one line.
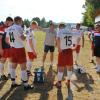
{"points": [[67, 40]]}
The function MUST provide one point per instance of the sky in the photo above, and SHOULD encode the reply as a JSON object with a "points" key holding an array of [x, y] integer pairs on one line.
{"points": [[57, 10]]}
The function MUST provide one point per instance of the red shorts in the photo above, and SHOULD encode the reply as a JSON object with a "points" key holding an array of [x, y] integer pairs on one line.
{"points": [[77, 49], [31, 55], [65, 58], [18, 55], [6, 53]]}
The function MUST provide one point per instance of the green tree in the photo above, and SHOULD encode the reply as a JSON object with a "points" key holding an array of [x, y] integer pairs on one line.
{"points": [[43, 23], [26, 23], [37, 19], [89, 16]]}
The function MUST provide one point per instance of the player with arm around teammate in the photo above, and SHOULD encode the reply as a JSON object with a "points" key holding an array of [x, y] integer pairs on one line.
{"points": [[18, 56], [5, 48]]}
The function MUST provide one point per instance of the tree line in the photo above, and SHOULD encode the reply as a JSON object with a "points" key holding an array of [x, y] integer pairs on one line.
{"points": [[92, 7], [41, 22]]}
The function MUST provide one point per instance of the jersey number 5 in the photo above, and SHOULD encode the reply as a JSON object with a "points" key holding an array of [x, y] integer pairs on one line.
{"points": [[68, 40], [12, 39]]}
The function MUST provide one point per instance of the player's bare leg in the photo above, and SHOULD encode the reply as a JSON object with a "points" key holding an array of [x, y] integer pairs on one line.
{"points": [[43, 60], [51, 58]]}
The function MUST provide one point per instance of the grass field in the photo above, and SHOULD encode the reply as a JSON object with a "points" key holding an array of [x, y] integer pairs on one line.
{"points": [[85, 87]]}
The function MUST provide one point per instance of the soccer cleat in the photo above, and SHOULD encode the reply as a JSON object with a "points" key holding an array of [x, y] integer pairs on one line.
{"points": [[15, 85], [58, 85], [29, 87], [3, 78]]}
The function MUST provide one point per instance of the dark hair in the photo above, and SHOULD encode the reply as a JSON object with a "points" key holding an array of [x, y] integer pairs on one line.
{"points": [[62, 25], [78, 24], [17, 18], [9, 19]]}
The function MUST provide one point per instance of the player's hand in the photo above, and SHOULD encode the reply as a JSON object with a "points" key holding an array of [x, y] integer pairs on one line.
{"points": [[1, 52], [35, 53], [74, 46]]}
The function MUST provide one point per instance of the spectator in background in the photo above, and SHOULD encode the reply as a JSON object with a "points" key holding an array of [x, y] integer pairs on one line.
{"points": [[49, 43], [97, 46], [91, 38]]}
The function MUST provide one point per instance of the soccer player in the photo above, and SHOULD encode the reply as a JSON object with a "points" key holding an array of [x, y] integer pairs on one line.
{"points": [[91, 38], [97, 46], [5, 48], [81, 36], [15, 38], [49, 43], [31, 45], [65, 56]]}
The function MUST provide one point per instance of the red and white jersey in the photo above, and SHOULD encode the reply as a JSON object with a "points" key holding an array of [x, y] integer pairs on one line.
{"points": [[29, 36], [14, 33], [80, 34]]}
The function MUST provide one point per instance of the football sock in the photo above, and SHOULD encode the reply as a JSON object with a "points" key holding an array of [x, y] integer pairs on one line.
{"points": [[1, 69], [60, 75], [69, 74], [13, 75], [24, 77], [29, 65], [9, 67]]}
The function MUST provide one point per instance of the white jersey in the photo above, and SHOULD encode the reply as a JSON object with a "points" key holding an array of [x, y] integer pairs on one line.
{"points": [[30, 35], [80, 34], [67, 38], [14, 33]]}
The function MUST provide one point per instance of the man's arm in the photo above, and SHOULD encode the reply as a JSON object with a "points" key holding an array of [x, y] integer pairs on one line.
{"points": [[58, 44]]}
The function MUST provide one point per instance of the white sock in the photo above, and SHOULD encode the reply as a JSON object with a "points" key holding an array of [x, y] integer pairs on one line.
{"points": [[51, 63], [1, 69], [29, 65], [69, 74], [77, 55], [60, 75], [13, 73], [42, 63], [9, 67], [24, 76]]}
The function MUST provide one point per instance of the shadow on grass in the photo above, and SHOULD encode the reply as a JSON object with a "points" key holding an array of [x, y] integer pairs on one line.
{"points": [[2, 83], [86, 79], [19, 94], [59, 94], [70, 94]]}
